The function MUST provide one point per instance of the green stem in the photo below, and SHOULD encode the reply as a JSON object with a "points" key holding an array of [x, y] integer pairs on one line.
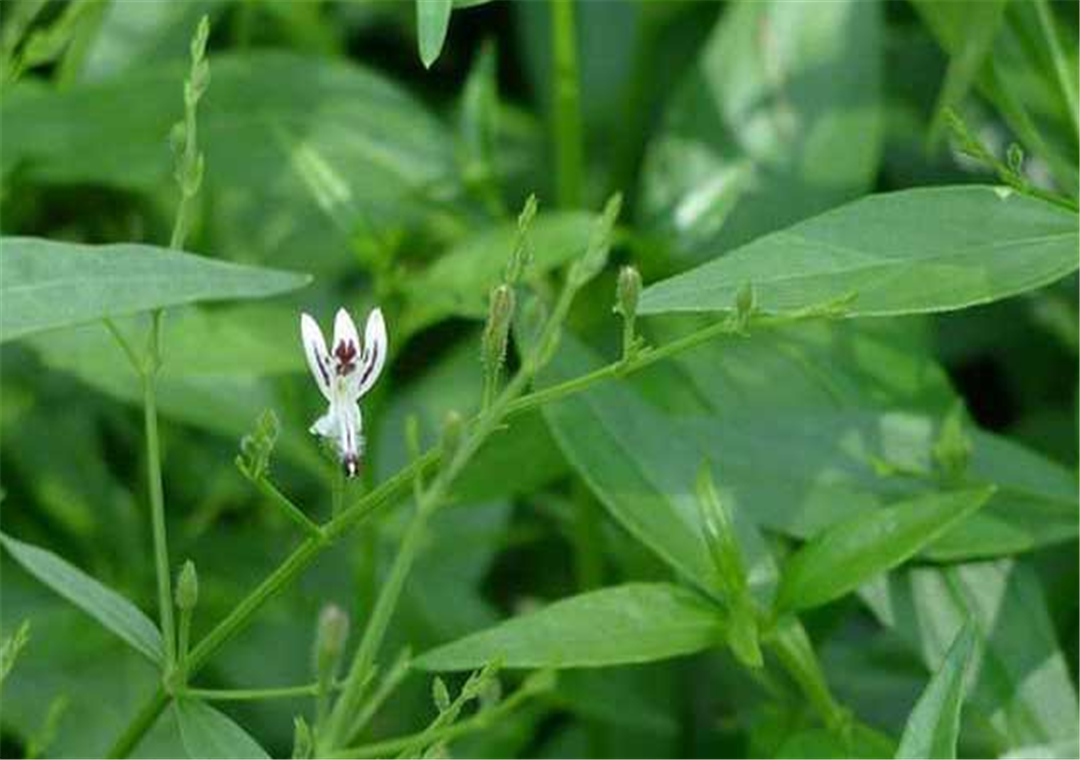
{"points": [[293, 512], [125, 345], [183, 646], [337, 492], [477, 722], [566, 106], [393, 489], [157, 509], [239, 695], [1061, 67], [341, 726]]}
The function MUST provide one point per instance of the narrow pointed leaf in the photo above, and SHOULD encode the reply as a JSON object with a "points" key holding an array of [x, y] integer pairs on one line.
{"points": [[844, 556], [635, 622], [102, 603], [934, 725], [50, 284], [923, 250], [208, 733], [432, 21]]}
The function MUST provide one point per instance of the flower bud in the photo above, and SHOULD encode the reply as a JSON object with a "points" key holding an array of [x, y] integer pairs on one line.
{"points": [[952, 449], [596, 254], [303, 744], [497, 329], [627, 292], [330, 638], [440, 695], [187, 587], [522, 254], [451, 436]]}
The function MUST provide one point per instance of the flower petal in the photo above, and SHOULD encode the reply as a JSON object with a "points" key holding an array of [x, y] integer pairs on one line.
{"points": [[346, 349], [327, 425], [374, 351], [315, 350]]}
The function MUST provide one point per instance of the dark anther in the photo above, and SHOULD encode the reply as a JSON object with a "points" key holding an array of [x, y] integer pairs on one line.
{"points": [[345, 351]]}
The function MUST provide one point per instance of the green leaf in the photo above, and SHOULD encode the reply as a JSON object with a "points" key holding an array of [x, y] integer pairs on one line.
{"points": [[933, 727], [100, 602], [779, 119], [1021, 681], [432, 21], [207, 733], [306, 156], [635, 622], [922, 250], [458, 283], [845, 555], [49, 284], [980, 24]]}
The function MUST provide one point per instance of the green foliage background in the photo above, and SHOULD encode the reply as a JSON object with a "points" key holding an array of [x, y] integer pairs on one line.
{"points": [[331, 150]]}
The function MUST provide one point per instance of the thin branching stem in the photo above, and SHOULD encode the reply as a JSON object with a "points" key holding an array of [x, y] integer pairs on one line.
{"points": [[397, 486]]}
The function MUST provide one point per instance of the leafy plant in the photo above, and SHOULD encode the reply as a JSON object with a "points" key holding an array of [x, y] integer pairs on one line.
{"points": [[729, 396]]}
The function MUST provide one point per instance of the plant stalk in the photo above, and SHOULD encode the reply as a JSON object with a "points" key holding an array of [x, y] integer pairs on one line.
{"points": [[566, 105]]}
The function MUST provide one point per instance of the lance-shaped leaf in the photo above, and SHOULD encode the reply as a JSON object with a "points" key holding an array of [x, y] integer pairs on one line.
{"points": [[50, 284], [102, 603], [635, 622], [208, 733], [432, 22], [1021, 680], [844, 556], [913, 251], [934, 725]]}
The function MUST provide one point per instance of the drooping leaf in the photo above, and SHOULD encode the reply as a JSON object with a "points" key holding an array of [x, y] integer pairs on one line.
{"points": [[100, 602], [845, 555], [1021, 680], [432, 21], [208, 733], [922, 250], [779, 119], [50, 284], [635, 622], [933, 728]]}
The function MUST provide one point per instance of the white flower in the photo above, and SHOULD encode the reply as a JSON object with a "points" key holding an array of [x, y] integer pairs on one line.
{"points": [[344, 376]]}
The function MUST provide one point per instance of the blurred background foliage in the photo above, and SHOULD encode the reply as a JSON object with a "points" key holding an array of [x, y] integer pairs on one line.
{"points": [[331, 150]]}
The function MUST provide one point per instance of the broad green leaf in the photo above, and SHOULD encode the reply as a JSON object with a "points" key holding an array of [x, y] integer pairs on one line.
{"points": [[779, 119], [432, 21], [100, 602], [459, 282], [220, 370], [1021, 680], [922, 250], [635, 622], [637, 443], [306, 157], [933, 728], [207, 733], [845, 555], [50, 284]]}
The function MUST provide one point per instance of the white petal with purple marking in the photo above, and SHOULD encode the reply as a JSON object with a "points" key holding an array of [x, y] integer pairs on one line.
{"points": [[318, 358]]}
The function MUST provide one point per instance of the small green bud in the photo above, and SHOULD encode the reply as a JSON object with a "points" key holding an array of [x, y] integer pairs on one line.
{"points": [[330, 638], [187, 587], [627, 293], [451, 435], [1015, 157], [521, 256], [497, 329], [257, 446], [198, 42], [440, 694], [303, 743], [596, 253], [953, 447]]}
